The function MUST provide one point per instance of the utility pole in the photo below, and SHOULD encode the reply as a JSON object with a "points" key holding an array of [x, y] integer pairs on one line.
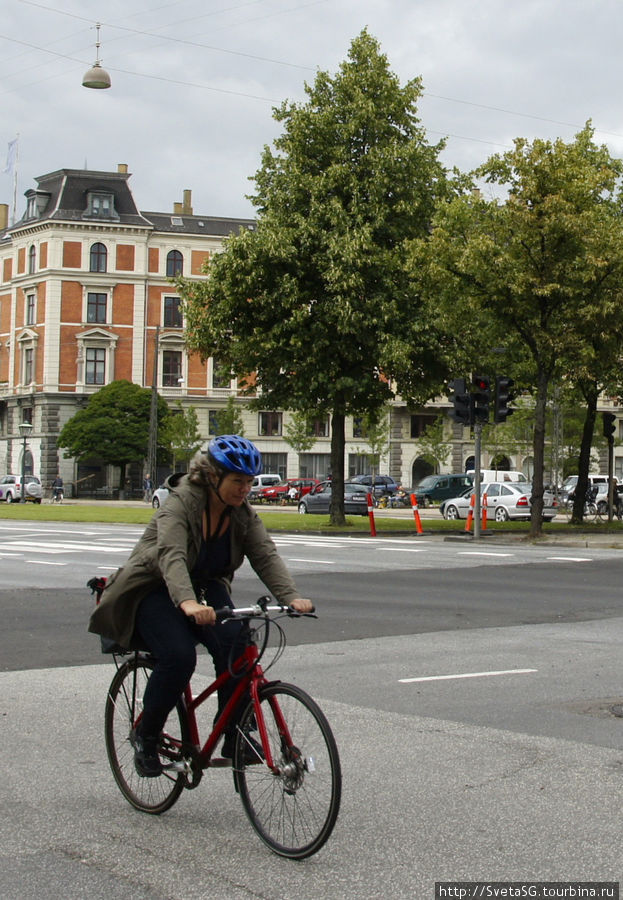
{"points": [[152, 450]]}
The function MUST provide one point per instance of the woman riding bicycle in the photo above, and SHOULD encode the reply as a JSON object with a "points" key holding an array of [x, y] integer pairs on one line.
{"points": [[189, 552]]}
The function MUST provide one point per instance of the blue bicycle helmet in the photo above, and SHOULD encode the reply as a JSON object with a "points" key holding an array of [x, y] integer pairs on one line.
{"points": [[235, 454]]}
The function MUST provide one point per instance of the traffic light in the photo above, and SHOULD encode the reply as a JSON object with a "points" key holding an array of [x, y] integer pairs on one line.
{"points": [[461, 401], [609, 429], [503, 397], [482, 397]]}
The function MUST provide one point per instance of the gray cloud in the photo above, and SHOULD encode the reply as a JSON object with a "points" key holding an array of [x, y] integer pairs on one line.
{"points": [[188, 116]]}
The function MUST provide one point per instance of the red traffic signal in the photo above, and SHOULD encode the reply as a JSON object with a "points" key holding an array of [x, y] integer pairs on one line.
{"points": [[481, 394]]}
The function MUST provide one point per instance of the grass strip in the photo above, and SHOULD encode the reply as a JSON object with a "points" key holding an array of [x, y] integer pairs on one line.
{"points": [[277, 521]]}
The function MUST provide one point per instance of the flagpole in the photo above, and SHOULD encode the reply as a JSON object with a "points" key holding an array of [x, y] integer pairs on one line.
{"points": [[15, 178]]}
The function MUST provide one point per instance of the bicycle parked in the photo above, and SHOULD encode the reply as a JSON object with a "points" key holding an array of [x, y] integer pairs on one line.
{"points": [[592, 511], [286, 766]]}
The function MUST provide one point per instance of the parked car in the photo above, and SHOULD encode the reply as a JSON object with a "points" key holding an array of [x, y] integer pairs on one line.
{"points": [[383, 484], [262, 481], [441, 487], [505, 500], [159, 496], [278, 492], [319, 499], [11, 488]]}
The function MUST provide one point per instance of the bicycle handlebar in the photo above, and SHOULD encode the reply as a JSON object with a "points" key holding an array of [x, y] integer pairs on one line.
{"points": [[242, 612], [261, 608]]}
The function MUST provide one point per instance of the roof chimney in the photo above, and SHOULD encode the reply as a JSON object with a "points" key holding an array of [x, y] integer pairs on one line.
{"points": [[177, 209], [4, 216], [122, 168], [188, 207]]}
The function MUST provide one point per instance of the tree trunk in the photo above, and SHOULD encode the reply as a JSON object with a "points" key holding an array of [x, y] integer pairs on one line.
{"points": [[538, 452], [591, 396], [338, 442]]}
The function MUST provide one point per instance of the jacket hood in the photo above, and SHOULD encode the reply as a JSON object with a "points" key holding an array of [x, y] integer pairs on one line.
{"points": [[173, 480]]}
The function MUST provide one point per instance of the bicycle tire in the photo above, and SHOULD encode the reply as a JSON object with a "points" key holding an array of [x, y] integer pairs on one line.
{"points": [[295, 808], [124, 704]]}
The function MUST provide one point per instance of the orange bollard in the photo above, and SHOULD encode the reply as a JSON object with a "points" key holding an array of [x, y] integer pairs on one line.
{"points": [[484, 511], [470, 514], [416, 514], [371, 516]]}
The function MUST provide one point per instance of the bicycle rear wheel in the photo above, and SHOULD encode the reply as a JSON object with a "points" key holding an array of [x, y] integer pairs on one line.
{"points": [[294, 807], [124, 705]]}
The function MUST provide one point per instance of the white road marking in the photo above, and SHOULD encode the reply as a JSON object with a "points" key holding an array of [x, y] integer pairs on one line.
{"points": [[569, 559], [482, 553], [403, 549], [320, 562], [467, 675], [61, 547], [45, 562]]}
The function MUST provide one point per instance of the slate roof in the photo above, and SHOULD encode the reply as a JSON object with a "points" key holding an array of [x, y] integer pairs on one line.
{"points": [[181, 223], [62, 196]]}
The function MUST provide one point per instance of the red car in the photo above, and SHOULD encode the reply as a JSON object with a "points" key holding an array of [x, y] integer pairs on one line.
{"points": [[280, 493]]}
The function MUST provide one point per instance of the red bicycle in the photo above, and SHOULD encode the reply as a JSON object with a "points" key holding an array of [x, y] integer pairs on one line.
{"points": [[290, 791]]}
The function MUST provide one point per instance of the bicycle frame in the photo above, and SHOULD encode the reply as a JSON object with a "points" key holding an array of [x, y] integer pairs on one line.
{"points": [[255, 676], [250, 682]]}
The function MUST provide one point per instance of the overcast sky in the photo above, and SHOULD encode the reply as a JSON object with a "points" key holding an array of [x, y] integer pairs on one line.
{"points": [[194, 82]]}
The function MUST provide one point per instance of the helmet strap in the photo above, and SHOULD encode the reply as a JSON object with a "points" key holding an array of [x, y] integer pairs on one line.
{"points": [[226, 507]]}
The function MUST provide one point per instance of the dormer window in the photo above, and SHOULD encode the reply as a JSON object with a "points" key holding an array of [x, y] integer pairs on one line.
{"points": [[101, 205], [36, 202]]}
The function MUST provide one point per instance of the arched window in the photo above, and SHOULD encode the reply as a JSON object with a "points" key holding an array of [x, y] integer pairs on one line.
{"points": [[32, 259], [175, 263], [99, 258]]}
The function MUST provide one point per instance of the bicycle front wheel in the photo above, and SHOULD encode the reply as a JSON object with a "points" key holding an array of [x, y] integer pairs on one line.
{"points": [[294, 806], [124, 706]]}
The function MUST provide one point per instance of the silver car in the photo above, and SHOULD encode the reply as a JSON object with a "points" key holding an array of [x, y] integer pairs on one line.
{"points": [[160, 496], [11, 488], [505, 500]]}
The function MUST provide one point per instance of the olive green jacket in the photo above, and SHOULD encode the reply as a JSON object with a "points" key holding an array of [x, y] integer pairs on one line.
{"points": [[167, 553]]}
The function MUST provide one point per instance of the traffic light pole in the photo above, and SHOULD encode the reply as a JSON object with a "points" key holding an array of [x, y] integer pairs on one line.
{"points": [[477, 444], [610, 477]]}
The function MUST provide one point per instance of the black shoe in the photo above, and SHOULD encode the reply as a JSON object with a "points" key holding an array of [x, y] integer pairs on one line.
{"points": [[146, 760], [253, 753]]}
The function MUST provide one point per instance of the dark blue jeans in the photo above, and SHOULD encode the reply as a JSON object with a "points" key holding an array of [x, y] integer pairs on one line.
{"points": [[172, 638]]}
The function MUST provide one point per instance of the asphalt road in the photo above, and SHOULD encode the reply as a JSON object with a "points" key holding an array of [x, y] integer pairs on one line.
{"points": [[473, 698]]}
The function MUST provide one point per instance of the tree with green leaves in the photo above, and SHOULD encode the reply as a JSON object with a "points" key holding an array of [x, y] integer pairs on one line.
{"points": [[113, 426], [180, 434], [298, 434], [375, 432], [537, 274], [432, 444], [317, 301], [229, 419]]}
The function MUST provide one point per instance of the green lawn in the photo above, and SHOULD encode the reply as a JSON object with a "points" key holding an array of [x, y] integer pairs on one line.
{"points": [[283, 521]]}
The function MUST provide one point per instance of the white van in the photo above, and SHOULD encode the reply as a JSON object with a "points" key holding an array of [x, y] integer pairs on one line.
{"points": [[498, 475], [262, 481], [599, 481]]}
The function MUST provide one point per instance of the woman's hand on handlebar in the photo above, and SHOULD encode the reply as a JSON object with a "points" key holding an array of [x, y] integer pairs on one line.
{"points": [[202, 615], [301, 605]]}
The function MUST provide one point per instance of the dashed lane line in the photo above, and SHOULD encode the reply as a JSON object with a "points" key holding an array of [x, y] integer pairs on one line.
{"points": [[467, 675]]}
